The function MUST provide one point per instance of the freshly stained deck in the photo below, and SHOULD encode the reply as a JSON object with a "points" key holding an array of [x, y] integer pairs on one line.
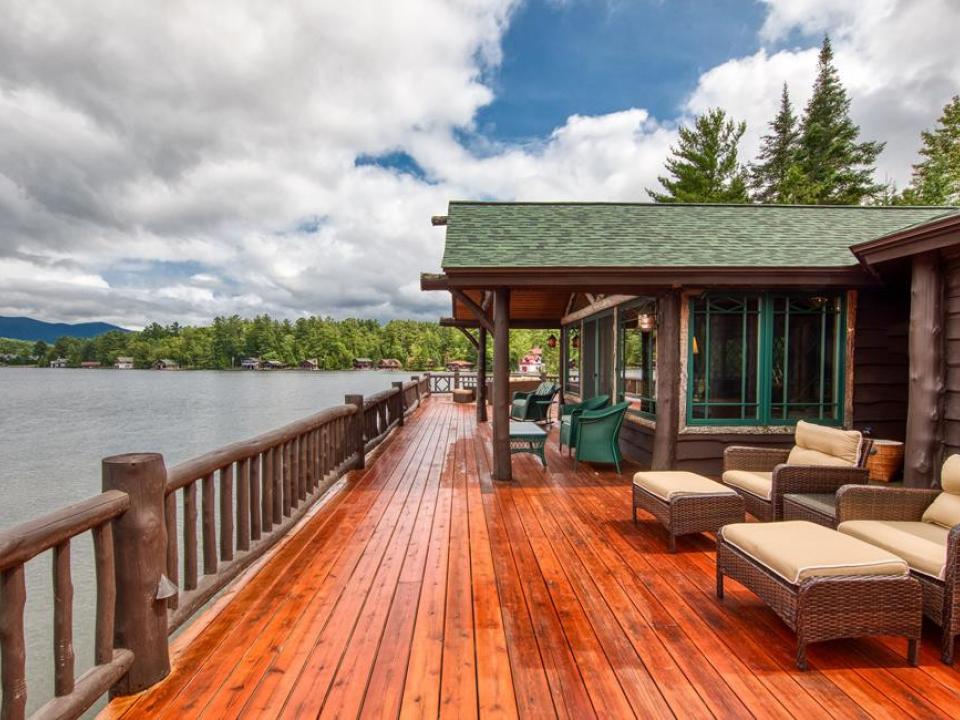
{"points": [[422, 589]]}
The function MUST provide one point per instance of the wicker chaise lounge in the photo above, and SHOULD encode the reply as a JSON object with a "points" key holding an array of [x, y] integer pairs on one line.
{"points": [[921, 526], [822, 460], [685, 503], [824, 585]]}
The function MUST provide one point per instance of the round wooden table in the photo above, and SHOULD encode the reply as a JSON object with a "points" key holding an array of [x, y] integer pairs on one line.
{"points": [[463, 395]]}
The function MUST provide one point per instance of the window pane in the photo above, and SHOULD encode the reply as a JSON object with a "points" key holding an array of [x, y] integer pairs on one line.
{"points": [[638, 343], [725, 358], [803, 372]]}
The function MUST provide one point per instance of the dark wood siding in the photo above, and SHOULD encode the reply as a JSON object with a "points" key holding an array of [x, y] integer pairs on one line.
{"points": [[951, 401], [636, 442], [881, 365]]}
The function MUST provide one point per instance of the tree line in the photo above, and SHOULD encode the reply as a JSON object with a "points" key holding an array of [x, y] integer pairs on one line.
{"points": [[816, 158], [334, 344]]}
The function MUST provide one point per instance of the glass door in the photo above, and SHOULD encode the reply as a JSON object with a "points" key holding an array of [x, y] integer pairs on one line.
{"points": [[596, 356]]}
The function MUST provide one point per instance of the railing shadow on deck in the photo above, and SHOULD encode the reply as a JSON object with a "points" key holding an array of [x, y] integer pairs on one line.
{"points": [[251, 493]]}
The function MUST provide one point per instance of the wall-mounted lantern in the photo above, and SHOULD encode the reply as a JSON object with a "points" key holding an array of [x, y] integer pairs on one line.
{"points": [[552, 341]]}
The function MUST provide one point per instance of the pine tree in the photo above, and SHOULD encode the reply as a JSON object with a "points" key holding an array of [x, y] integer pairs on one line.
{"points": [[836, 168], [705, 167], [936, 179], [775, 177]]}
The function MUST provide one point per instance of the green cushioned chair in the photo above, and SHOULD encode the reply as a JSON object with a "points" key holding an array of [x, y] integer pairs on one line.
{"points": [[597, 433], [534, 406], [569, 414]]}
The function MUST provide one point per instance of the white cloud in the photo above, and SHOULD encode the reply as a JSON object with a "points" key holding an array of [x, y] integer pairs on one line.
{"points": [[172, 161]]}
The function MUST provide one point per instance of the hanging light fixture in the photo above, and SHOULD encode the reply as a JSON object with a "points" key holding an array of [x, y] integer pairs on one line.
{"points": [[647, 322], [552, 341], [575, 342]]}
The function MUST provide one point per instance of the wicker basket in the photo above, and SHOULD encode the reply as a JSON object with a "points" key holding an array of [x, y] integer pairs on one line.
{"points": [[885, 461]]}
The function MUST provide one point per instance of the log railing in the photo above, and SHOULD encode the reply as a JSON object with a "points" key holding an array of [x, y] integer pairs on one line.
{"points": [[447, 382], [167, 540], [24, 542]]}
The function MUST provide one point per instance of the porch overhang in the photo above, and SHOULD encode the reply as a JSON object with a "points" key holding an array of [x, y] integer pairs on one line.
{"points": [[936, 235]]}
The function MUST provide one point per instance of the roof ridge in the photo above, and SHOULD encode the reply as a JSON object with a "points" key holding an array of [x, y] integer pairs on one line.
{"points": [[948, 209]]}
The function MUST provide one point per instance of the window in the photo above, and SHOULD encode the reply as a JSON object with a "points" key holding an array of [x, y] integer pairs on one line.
{"points": [[765, 359], [571, 373], [638, 356]]}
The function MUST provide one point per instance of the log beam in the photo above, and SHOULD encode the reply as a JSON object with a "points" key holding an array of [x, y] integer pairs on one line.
{"points": [[502, 469], [475, 309], [925, 345], [482, 375], [668, 382]]}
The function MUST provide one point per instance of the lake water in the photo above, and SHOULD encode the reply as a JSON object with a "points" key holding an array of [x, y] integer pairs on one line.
{"points": [[56, 425]]}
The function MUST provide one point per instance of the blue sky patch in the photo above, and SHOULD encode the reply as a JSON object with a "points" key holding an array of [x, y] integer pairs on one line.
{"points": [[397, 161]]}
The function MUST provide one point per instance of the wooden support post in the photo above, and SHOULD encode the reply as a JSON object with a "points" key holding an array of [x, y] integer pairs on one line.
{"points": [[359, 442], [562, 370], [456, 377], [482, 375], [400, 402], [140, 547], [502, 469], [925, 345], [668, 383]]}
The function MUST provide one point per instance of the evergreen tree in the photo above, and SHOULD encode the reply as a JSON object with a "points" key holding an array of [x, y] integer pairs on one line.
{"points": [[836, 168], [936, 179], [705, 167], [776, 176]]}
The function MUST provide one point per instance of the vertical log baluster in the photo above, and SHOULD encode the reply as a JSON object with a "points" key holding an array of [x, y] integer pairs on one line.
{"points": [[256, 508], [190, 536], [226, 513], [13, 654], [287, 479], [209, 528], [268, 497], [62, 621], [106, 593], [173, 555], [243, 504], [302, 472], [277, 484]]}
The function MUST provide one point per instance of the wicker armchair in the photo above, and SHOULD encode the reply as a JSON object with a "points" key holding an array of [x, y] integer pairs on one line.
{"points": [[941, 596], [773, 477], [534, 406]]}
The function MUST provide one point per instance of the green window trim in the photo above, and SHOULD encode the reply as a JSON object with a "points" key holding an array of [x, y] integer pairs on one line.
{"points": [[572, 384], [646, 402], [757, 404]]}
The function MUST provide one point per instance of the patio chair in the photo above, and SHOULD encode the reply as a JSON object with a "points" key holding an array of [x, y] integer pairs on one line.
{"points": [[597, 435], [822, 460], [534, 406], [570, 414], [922, 526]]}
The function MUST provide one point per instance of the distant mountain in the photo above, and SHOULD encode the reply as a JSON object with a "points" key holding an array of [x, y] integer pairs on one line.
{"points": [[24, 328]]}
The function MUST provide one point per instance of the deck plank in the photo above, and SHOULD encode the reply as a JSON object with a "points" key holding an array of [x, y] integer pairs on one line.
{"points": [[422, 589]]}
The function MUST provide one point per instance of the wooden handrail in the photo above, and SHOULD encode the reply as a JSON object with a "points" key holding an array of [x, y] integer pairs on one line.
{"points": [[28, 539]]}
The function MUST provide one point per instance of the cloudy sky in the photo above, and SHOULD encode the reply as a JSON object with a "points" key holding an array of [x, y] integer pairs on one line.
{"points": [[177, 160]]}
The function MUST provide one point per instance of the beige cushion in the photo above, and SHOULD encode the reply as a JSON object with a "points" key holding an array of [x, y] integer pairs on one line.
{"points": [[820, 445], [922, 545], [796, 550], [950, 475], [753, 481], [668, 484]]}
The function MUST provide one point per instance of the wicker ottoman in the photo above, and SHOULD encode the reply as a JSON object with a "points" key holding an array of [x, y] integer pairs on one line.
{"points": [[463, 395], [685, 502], [820, 584]]}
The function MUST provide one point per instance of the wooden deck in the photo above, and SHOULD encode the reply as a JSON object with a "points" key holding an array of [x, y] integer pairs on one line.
{"points": [[422, 589]]}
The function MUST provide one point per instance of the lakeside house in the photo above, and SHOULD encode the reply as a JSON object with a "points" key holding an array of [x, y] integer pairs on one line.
{"points": [[123, 363], [362, 364], [390, 364], [272, 365], [60, 362], [310, 364], [89, 364], [461, 365], [166, 364], [725, 324], [250, 363], [532, 362]]}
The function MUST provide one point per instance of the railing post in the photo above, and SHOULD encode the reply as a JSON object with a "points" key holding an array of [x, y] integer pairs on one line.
{"points": [[140, 551], [416, 379], [359, 441], [400, 402], [456, 378], [426, 377]]}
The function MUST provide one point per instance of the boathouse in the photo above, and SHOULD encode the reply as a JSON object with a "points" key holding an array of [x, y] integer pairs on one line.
{"points": [[390, 364], [123, 363], [362, 363], [723, 324], [166, 364]]}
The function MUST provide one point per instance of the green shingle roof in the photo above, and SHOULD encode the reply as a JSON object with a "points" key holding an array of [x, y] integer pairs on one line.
{"points": [[487, 235]]}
